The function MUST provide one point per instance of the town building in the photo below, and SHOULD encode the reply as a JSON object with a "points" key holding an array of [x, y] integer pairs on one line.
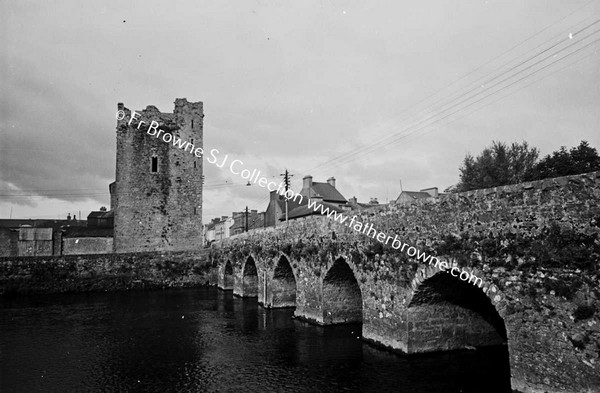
{"points": [[94, 238], [34, 237], [246, 221], [324, 194], [408, 197], [218, 229], [355, 205], [327, 191], [277, 208]]}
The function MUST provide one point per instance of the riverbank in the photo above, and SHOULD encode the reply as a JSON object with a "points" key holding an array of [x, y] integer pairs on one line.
{"points": [[103, 272]]}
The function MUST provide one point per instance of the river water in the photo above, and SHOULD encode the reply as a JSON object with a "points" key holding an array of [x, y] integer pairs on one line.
{"points": [[205, 340]]}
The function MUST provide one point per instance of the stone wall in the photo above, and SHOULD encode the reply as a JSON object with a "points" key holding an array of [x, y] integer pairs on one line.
{"points": [[159, 210], [87, 245], [102, 272], [536, 247]]}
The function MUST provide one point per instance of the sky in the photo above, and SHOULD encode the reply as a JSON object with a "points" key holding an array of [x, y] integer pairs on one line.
{"points": [[379, 94]]}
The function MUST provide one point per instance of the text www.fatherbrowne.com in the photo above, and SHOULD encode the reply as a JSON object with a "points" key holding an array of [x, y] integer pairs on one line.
{"points": [[366, 229]]}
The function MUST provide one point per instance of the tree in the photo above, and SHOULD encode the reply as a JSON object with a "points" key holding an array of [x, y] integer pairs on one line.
{"points": [[497, 165], [580, 159]]}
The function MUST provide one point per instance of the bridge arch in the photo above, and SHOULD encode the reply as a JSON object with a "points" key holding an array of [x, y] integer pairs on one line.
{"points": [[249, 282], [283, 284], [462, 314], [342, 296]]}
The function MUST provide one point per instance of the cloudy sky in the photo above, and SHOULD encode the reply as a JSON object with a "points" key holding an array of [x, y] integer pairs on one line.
{"points": [[369, 92]]}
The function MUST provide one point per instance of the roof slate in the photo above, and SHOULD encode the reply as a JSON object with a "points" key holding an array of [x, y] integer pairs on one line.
{"points": [[36, 223], [327, 191], [416, 194], [304, 210]]}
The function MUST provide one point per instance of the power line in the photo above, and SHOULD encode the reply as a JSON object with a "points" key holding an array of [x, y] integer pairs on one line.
{"points": [[506, 95], [397, 138], [431, 105], [107, 193], [362, 150], [359, 148]]}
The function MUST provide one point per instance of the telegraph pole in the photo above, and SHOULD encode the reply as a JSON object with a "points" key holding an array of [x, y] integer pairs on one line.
{"points": [[246, 218], [286, 182]]}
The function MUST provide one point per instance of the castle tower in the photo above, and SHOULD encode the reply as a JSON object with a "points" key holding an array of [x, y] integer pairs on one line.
{"points": [[158, 189]]}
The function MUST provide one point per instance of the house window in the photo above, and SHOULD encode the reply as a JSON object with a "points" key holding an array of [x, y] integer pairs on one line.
{"points": [[154, 164], [195, 210], [192, 123], [194, 164]]}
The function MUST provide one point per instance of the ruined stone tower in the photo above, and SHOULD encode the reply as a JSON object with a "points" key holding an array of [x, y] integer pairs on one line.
{"points": [[157, 194]]}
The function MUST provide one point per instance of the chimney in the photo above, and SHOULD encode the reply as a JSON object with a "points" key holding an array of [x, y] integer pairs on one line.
{"points": [[331, 181], [353, 201], [307, 181], [373, 201], [433, 191], [253, 212], [68, 216], [223, 218]]}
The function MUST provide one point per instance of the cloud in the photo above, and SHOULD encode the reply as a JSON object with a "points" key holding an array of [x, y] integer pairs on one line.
{"points": [[308, 87]]}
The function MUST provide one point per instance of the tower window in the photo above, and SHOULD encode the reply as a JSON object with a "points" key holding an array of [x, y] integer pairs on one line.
{"points": [[194, 164], [154, 164], [192, 123], [192, 141], [195, 210]]}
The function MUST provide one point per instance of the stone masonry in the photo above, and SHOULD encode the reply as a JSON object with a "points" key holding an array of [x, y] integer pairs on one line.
{"points": [[157, 195], [535, 245]]}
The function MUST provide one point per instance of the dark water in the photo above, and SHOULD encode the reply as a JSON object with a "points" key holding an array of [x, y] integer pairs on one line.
{"points": [[204, 340]]}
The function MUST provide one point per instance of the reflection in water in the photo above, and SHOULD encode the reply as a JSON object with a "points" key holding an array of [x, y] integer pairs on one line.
{"points": [[205, 340]]}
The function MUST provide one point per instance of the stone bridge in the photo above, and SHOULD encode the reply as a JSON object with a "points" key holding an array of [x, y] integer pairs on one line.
{"points": [[536, 246]]}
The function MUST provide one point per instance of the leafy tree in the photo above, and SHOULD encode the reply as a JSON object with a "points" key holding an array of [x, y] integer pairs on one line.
{"points": [[580, 159], [500, 164], [497, 165]]}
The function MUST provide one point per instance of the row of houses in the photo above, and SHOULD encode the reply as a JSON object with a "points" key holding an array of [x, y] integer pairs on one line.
{"points": [[281, 208], [96, 234], [27, 237]]}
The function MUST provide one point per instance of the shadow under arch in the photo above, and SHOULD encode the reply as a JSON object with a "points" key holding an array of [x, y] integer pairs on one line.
{"points": [[249, 278], [228, 276], [464, 315], [446, 313], [342, 298], [283, 285]]}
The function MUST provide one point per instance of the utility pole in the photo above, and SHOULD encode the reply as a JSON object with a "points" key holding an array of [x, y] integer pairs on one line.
{"points": [[246, 218], [286, 182]]}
